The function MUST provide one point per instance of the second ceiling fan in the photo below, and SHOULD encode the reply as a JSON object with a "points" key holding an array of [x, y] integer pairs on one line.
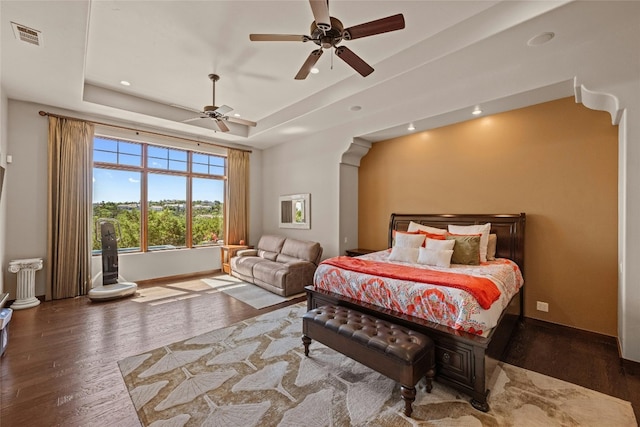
{"points": [[327, 32], [217, 114]]}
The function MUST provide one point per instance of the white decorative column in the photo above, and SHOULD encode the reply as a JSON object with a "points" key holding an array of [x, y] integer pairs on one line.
{"points": [[26, 290]]}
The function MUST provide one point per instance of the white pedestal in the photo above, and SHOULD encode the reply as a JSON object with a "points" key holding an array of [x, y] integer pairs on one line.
{"points": [[26, 290]]}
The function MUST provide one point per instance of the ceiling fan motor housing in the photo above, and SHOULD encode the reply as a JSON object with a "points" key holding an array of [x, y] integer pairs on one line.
{"points": [[328, 38]]}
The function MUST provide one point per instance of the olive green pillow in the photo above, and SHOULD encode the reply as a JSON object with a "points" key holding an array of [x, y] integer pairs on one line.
{"points": [[466, 249]]}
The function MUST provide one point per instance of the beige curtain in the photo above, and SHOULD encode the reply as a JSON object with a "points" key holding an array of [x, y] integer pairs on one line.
{"points": [[69, 208], [238, 200]]}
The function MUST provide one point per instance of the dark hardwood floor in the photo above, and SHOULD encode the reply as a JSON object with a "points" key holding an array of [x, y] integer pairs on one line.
{"points": [[579, 357], [60, 364]]}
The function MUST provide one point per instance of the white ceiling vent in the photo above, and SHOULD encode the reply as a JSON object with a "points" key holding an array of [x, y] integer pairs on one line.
{"points": [[27, 34]]}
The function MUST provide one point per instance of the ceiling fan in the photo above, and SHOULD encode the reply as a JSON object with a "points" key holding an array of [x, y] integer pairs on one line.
{"points": [[327, 32], [217, 114]]}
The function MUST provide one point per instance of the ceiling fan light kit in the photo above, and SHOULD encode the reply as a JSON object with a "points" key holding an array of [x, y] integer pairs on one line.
{"points": [[327, 32]]}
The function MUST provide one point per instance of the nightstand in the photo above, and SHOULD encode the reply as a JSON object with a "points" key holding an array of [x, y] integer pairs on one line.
{"points": [[226, 253], [359, 251]]}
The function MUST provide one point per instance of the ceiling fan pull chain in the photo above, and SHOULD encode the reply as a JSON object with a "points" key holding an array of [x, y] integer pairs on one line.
{"points": [[331, 62]]}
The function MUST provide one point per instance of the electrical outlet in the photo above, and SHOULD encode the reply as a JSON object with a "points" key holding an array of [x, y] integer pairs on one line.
{"points": [[542, 306]]}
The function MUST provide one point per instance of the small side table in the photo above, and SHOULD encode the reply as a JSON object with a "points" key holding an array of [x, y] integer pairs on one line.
{"points": [[26, 290], [359, 251], [226, 253]]}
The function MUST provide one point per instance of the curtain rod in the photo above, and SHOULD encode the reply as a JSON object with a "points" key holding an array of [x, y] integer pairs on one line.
{"points": [[45, 113]]}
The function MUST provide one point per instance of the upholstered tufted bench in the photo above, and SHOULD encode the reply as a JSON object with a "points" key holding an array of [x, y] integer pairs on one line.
{"points": [[401, 354]]}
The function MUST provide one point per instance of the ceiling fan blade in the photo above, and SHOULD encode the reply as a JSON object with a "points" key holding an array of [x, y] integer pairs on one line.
{"points": [[354, 61], [221, 111], [220, 125], [240, 121], [308, 64], [276, 38], [320, 9], [379, 26]]}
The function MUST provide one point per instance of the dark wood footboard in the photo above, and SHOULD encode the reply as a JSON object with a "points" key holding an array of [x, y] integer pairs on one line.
{"points": [[463, 360]]}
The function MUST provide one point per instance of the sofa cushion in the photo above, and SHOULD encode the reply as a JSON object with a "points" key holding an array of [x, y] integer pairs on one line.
{"points": [[286, 259], [245, 264], [303, 250], [270, 243], [271, 272], [271, 256]]}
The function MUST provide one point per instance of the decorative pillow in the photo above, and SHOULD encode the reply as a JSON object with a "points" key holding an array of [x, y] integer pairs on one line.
{"points": [[408, 240], [435, 257], [432, 235], [440, 245], [414, 226], [491, 247], [483, 229], [404, 254], [466, 250]]}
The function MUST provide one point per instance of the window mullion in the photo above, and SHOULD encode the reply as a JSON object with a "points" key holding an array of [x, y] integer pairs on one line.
{"points": [[189, 203], [144, 205]]}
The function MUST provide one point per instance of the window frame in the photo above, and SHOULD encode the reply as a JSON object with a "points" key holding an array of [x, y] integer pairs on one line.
{"points": [[145, 170]]}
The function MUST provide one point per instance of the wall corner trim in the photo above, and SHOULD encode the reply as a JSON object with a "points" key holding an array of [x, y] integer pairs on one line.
{"points": [[357, 150], [598, 101]]}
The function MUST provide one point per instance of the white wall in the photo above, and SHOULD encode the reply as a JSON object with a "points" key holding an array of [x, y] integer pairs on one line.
{"points": [[309, 166], [3, 199], [141, 266], [26, 207]]}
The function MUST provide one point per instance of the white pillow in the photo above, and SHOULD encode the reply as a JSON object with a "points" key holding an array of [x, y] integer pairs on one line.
{"points": [[404, 254], [482, 229], [405, 240], [491, 247], [435, 257], [414, 226], [440, 245]]}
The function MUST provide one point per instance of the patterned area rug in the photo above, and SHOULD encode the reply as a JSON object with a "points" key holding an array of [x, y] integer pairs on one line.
{"points": [[248, 293], [255, 373]]}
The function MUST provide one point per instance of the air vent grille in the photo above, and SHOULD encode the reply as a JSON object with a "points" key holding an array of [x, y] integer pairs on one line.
{"points": [[26, 34]]}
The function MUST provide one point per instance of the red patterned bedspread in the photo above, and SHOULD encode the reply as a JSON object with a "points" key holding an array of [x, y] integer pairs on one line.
{"points": [[450, 306]]}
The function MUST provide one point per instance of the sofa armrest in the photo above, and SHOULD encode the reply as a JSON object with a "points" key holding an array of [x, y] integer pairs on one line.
{"points": [[247, 252]]}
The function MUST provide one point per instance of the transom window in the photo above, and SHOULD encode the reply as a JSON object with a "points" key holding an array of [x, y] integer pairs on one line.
{"points": [[161, 198]]}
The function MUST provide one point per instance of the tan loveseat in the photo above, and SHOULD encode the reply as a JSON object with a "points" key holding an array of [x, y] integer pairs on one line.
{"points": [[278, 264]]}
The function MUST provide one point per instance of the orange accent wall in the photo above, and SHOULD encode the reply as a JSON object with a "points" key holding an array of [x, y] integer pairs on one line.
{"points": [[556, 161]]}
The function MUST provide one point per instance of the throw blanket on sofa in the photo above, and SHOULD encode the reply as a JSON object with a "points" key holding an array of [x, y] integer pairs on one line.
{"points": [[482, 289]]}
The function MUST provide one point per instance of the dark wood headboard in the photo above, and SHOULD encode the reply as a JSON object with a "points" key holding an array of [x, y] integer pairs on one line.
{"points": [[509, 229]]}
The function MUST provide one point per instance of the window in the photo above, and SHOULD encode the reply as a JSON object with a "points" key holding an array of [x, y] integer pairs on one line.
{"points": [[161, 198]]}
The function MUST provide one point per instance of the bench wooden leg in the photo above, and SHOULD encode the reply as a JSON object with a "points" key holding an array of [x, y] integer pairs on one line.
{"points": [[408, 394], [428, 377], [306, 341]]}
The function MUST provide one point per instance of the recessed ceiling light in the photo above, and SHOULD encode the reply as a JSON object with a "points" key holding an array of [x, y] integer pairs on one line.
{"points": [[411, 127], [125, 83], [315, 70], [355, 108], [236, 115], [476, 111], [541, 38]]}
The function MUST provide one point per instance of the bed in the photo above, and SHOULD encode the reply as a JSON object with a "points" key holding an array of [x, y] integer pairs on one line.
{"points": [[465, 355]]}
